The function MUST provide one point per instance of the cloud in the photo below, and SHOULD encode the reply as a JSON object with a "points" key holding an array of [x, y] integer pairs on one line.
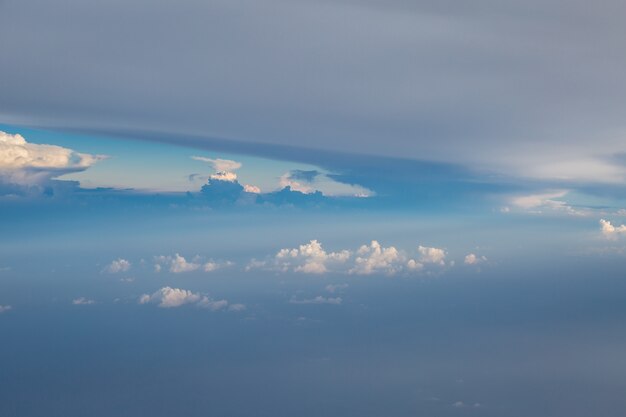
{"points": [[375, 258], [539, 203], [332, 288], [29, 164], [309, 258], [431, 255], [236, 307], [308, 182], [220, 165], [118, 265], [82, 301], [251, 189], [168, 297], [473, 259], [317, 300], [177, 264], [610, 231], [5, 308]]}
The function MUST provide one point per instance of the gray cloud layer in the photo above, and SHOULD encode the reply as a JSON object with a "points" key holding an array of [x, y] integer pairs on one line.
{"points": [[535, 87]]}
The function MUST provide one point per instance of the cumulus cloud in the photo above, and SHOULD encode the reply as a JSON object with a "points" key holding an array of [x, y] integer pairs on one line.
{"points": [[431, 255], [220, 165], [251, 189], [473, 259], [375, 258], [610, 231], [118, 265], [82, 301], [30, 164], [176, 264], [317, 300], [5, 308], [309, 258], [168, 297]]}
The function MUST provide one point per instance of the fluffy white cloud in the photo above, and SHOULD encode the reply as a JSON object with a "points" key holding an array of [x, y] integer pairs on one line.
{"points": [[168, 297], [26, 163], [82, 301], [375, 258], [309, 258], [251, 189], [321, 182], [5, 308], [473, 259], [220, 165], [118, 265], [317, 300], [610, 231], [176, 264], [431, 255], [224, 176]]}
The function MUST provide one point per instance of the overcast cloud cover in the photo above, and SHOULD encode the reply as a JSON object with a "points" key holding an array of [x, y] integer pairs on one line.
{"points": [[531, 88]]}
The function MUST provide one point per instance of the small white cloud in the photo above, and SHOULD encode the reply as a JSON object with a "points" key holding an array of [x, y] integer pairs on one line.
{"points": [[309, 258], [473, 259], [224, 176], [118, 265], [177, 264], [610, 231], [5, 308], [376, 258], [431, 255], [168, 297], [251, 189], [236, 307], [317, 300], [414, 265], [220, 165], [82, 301]]}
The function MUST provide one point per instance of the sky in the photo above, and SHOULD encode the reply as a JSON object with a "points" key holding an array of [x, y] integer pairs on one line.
{"points": [[312, 208]]}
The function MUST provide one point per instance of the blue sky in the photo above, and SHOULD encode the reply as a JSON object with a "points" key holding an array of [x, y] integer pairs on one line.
{"points": [[312, 208]]}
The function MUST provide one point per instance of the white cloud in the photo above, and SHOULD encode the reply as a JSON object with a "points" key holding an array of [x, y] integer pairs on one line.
{"points": [[118, 265], [332, 288], [318, 300], [82, 301], [5, 308], [177, 264], [431, 255], [168, 297], [323, 183], [309, 258], [375, 258], [224, 176], [473, 259], [539, 203], [251, 189], [610, 231], [220, 165], [26, 163]]}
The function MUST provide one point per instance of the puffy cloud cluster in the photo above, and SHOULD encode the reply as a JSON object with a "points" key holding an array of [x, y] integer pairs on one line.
{"points": [[473, 259], [29, 164], [372, 258], [178, 264], [309, 258], [375, 258], [610, 231], [168, 297], [118, 265], [317, 300]]}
